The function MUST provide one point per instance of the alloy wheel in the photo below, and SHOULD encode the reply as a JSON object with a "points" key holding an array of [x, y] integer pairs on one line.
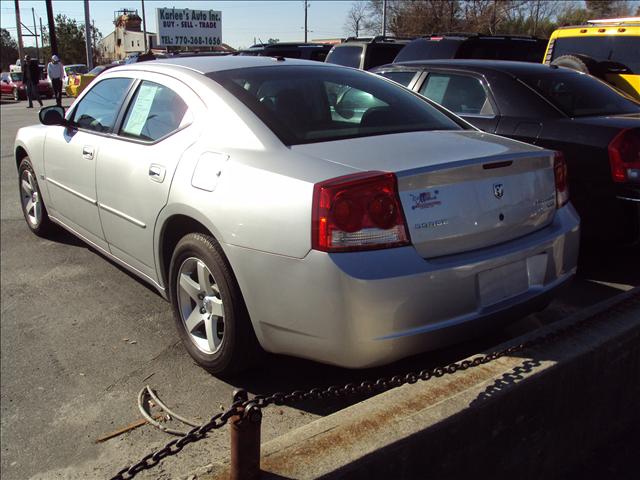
{"points": [[200, 305], [31, 202]]}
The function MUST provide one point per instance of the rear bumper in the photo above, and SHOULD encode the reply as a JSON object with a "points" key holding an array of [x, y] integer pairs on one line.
{"points": [[369, 308]]}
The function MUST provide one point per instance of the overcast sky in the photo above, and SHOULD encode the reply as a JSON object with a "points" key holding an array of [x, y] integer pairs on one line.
{"points": [[241, 20]]}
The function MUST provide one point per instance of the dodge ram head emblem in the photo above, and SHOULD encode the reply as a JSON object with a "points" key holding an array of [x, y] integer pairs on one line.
{"points": [[498, 190]]}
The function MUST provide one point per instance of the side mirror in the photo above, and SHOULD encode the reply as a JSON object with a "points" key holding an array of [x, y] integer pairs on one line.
{"points": [[53, 115]]}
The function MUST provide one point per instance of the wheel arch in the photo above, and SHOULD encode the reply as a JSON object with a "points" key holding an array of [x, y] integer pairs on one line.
{"points": [[21, 153]]}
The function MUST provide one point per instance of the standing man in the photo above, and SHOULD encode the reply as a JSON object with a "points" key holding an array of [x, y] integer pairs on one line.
{"points": [[31, 76], [55, 70]]}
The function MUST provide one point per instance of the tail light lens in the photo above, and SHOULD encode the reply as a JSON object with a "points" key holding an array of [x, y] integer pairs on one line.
{"points": [[624, 156], [562, 184], [358, 212]]}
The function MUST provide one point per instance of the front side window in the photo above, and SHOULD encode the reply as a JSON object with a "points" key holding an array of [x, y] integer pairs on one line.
{"points": [[461, 94], [304, 104], [154, 112], [346, 56], [99, 108]]}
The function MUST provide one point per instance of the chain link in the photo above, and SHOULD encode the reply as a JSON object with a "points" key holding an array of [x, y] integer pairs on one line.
{"points": [[366, 387]]}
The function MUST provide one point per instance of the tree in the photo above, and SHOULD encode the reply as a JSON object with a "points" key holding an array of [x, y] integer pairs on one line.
{"points": [[355, 22], [8, 49], [608, 8], [71, 40]]}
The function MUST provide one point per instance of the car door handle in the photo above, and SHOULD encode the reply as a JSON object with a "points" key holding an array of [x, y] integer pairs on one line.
{"points": [[156, 172], [87, 152]]}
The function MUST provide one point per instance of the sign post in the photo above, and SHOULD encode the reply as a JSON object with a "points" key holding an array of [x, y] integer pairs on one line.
{"points": [[183, 27]]}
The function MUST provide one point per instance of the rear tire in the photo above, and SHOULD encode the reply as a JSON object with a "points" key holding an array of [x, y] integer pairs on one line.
{"points": [[581, 63], [208, 308], [31, 201]]}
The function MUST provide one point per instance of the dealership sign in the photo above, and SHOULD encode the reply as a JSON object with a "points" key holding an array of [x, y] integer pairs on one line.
{"points": [[183, 27]]}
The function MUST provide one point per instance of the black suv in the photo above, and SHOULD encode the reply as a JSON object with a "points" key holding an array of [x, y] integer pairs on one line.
{"points": [[474, 46], [366, 53], [306, 51]]}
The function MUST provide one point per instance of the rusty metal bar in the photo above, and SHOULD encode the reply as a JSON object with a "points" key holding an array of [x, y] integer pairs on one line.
{"points": [[245, 440]]}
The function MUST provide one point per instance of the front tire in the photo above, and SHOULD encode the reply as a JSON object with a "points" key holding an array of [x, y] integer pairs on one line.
{"points": [[209, 311], [31, 201]]}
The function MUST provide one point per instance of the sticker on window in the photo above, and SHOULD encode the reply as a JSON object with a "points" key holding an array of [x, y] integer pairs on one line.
{"points": [[140, 109]]}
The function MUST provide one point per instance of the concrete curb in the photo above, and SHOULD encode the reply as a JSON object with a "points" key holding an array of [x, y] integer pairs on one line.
{"points": [[518, 416]]}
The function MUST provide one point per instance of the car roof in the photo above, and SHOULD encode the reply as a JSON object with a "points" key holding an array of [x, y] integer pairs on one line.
{"points": [[506, 66], [209, 64]]}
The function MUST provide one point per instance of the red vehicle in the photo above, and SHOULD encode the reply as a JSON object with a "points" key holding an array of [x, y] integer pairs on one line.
{"points": [[11, 85]]}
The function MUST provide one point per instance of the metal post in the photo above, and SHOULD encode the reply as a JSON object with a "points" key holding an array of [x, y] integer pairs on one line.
{"points": [[87, 34], [144, 26], [245, 441], [35, 33], [41, 32], [384, 18], [305, 21], [19, 29], [52, 29]]}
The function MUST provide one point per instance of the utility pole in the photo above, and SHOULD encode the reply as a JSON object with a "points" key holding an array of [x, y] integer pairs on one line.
{"points": [[305, 21], [384, 18], [35, 33], [52, 29], [19, 29], [87, 35], [144, 26], [41, 33]]}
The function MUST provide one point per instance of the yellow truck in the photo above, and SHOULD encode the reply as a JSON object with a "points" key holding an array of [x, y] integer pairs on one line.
{"points": [[608, 49]]}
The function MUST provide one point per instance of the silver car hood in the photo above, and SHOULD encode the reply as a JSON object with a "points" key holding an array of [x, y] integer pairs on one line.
{"points": [[418, 149]]}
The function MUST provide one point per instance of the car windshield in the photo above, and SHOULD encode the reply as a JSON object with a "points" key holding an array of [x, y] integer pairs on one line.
{"points": [[348, 56], [303, 104], [16, 77], [97, 70], [580, 95], [76, 69]]}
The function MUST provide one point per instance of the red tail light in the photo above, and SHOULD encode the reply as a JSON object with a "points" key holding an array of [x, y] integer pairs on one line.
{"points": [[562, 184], [358, 212], [624, 156]]}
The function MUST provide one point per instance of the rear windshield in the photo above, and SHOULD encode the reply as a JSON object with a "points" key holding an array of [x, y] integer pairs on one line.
{"points": [[306, 104], [580, 95], [381, 53], [428, 49], [520, 50], [617, 52], [346, 56]]}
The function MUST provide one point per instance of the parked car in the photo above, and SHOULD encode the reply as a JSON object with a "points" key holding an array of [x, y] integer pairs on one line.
{"points": [[607, 49], [79, 82], [305, 51], [11, 85], [366, 53], [237, 188], [592, 124], [70, 71], [474, 45]]}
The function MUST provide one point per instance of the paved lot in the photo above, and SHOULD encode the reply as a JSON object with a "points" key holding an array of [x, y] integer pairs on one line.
{"points": [[80, 337]]}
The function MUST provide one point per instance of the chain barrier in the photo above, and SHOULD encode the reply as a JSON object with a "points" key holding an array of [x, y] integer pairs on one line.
{"points": [[366, 387]]}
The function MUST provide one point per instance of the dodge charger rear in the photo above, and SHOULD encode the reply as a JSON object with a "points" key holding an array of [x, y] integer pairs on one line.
{"points": [[301, 208]]}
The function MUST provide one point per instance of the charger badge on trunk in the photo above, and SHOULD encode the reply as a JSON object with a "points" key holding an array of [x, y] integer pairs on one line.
{"points": [[498, 190]]}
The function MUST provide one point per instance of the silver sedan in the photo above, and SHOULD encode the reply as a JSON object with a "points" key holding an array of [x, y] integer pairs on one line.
{"points": [[300, 208]]}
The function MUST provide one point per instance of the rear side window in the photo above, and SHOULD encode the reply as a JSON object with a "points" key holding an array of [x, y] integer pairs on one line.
{"points": [[154, 112], [403, 78], [99, 108], [617, 51], [381, 54], [461, 94], [347, 56], [318, 55]]}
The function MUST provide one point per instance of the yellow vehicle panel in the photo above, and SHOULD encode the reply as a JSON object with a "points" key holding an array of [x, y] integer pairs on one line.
{"points": [[74, 89]]}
